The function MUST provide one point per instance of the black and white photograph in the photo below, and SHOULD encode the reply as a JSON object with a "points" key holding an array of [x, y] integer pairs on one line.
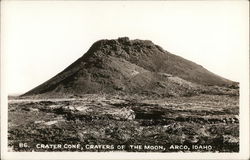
{"points": [[142, 79]]}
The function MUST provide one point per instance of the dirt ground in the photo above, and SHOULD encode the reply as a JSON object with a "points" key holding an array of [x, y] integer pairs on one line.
{"points": [[204, 123]]}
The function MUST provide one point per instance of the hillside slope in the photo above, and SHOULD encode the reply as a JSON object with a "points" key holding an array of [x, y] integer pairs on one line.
{"points": [[130, 67]]}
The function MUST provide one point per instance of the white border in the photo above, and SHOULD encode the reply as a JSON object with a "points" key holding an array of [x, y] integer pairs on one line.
{"points": [[244, 133]]}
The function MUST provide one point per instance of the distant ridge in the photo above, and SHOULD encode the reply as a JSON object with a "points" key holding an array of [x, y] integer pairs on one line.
{"points": [[124, 66]]}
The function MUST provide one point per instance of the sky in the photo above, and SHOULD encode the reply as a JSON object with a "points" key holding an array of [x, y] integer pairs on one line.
{"points": [[41, 38]]}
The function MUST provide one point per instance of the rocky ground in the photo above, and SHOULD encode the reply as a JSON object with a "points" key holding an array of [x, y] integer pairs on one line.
{"points": [[204, 123]]}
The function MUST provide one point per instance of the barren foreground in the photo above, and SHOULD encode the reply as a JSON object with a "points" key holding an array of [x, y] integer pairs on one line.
{"points": [[206, 123]]}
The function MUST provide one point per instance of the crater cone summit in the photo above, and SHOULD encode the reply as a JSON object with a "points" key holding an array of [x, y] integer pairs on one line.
{"points": [[124, 66]]}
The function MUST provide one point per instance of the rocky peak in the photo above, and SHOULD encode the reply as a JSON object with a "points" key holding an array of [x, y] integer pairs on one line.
{"points": [[131, 67]]}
